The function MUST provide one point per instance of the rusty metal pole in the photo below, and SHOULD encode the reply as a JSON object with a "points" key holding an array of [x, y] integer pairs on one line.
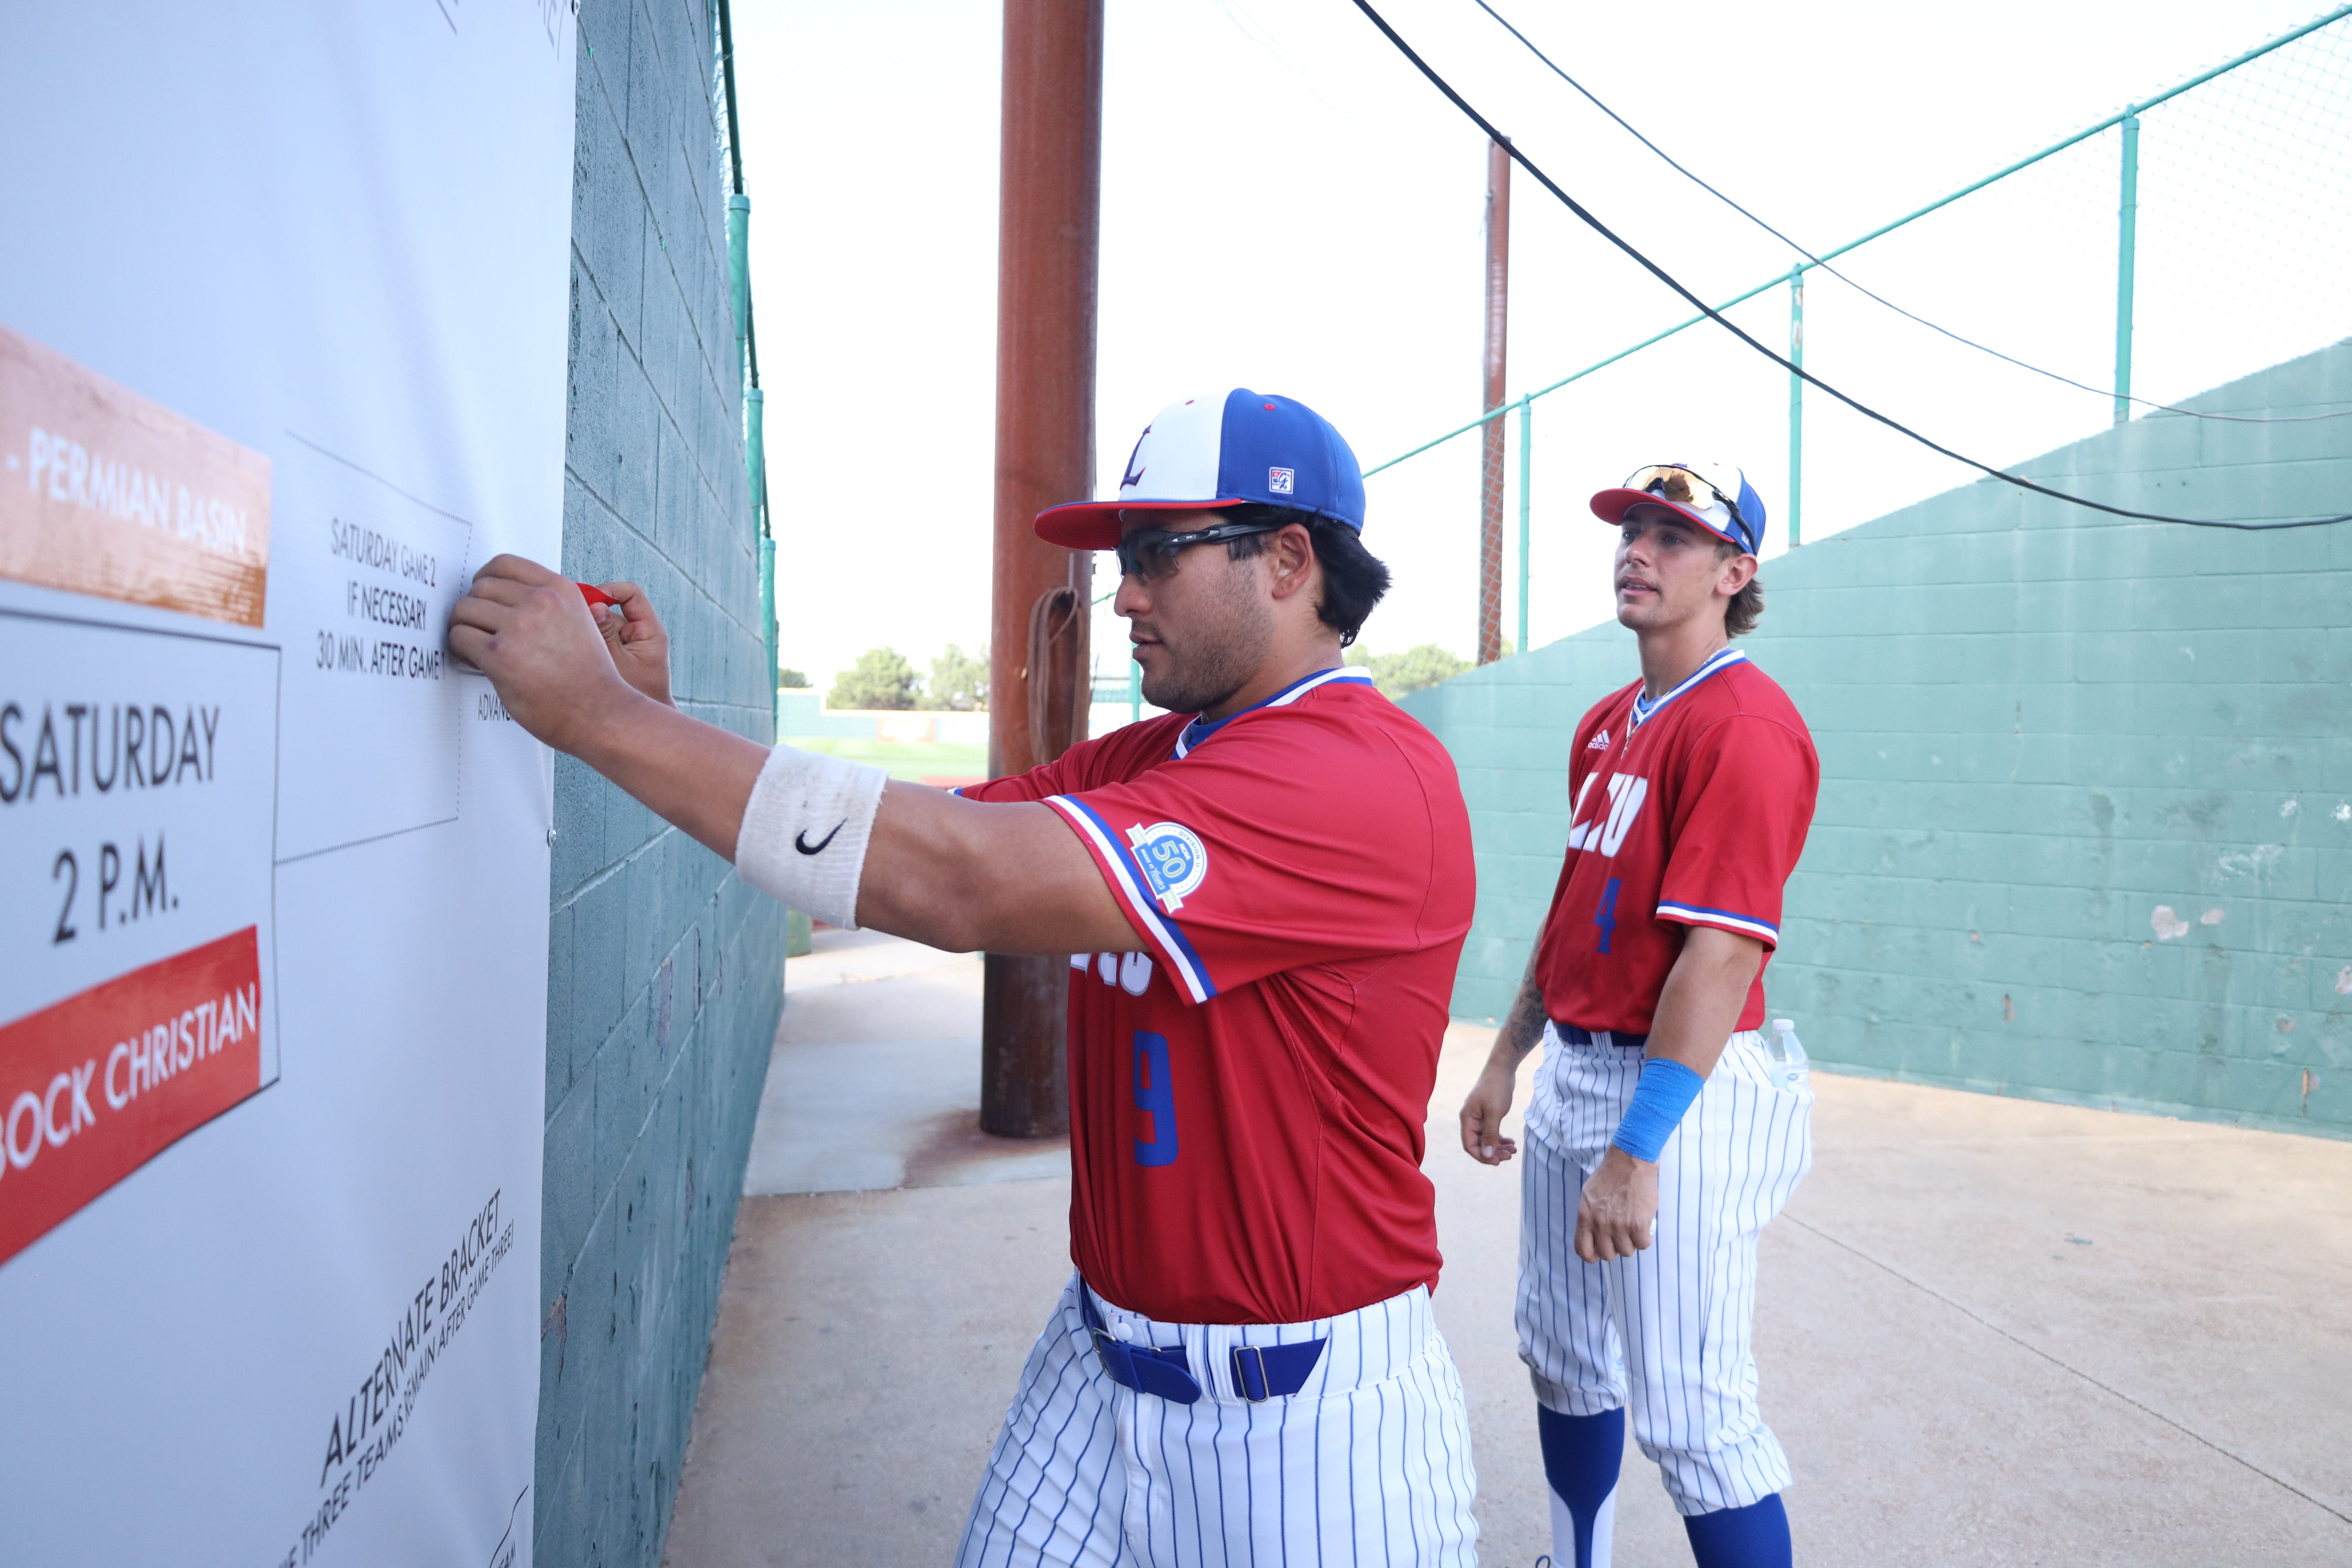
{"points": [[1490, 437], [1047, 229]]}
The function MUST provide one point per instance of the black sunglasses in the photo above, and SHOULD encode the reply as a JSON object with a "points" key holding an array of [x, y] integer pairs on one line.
{"points": [[1150, 553]]}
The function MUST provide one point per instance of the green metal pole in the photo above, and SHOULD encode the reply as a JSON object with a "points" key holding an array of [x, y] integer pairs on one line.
{"points": [[755, 455], [739, 276], [1134, 692], [2127, 243], [1527, 466], [755, 445], [755, 470], [1796, 409], [768, 620]]}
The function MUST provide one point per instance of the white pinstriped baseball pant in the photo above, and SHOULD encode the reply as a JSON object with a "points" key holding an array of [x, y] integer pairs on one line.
{"points": [[1369, 1462], [1677, 1315]]}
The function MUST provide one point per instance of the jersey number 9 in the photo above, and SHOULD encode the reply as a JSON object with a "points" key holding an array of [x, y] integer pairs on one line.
{"points": [[1155, 1095]]}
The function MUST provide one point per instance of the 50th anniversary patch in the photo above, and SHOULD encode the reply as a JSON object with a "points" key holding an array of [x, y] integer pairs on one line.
{"points": [[1173, 858]]}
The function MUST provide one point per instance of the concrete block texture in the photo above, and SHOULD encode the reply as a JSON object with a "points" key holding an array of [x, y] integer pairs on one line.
{"points": [[2085, 823], [665, 974]]}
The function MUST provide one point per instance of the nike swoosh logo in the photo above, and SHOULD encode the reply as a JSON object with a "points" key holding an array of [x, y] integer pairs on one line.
{"points": [[801, 843]]}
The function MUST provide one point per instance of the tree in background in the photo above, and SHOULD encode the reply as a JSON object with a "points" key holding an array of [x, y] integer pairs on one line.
{"points": [[793, 680], [959, 682], [1398, 673], [880, 679]]}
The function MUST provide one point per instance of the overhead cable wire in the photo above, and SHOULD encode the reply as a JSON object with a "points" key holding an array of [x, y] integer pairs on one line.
{"points": [[1672, 162], [1718, 316]]}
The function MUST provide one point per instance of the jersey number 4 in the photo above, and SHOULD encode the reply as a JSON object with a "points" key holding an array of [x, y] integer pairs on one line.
{"points": [[1155, 1095], [1626, 794], [1605, 917]]}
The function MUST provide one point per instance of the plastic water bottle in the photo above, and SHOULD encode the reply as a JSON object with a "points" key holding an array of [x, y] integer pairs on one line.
{"points": [[1787, 1057]]}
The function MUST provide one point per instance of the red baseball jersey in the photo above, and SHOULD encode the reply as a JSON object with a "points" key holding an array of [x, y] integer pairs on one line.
{"points": [[1248, 1089], [1691, 810]]}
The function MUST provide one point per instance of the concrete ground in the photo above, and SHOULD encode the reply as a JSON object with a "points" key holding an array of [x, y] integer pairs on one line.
{"points": [[1990, 1330]]}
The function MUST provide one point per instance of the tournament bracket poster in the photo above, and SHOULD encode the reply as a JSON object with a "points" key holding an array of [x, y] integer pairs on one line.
{"points": [[282, 361]]}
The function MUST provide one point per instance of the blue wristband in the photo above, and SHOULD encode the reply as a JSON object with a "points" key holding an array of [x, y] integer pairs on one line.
{"points": [[1660, 1101]]}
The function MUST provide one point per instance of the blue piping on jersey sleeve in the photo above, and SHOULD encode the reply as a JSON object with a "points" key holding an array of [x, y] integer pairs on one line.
{"points": [[1701, 915], [1129, 883]]}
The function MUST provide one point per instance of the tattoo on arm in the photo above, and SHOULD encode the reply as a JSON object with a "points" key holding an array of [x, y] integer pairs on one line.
{"points": [[1523, 1030]]}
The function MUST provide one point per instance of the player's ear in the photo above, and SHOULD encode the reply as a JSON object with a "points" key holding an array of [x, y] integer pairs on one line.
{"points": [[1739, 571], [1292, 550]]}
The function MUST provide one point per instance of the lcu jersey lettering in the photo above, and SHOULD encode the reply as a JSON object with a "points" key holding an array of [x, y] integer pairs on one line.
{"points": [[1248, 1089], [1691, 810]]}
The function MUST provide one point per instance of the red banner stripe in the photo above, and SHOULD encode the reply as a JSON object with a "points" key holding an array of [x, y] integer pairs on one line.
{"points": [[95, 1086]]}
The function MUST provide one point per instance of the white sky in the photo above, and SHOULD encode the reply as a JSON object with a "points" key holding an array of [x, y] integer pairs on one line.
{"points": [[1286, 205]]}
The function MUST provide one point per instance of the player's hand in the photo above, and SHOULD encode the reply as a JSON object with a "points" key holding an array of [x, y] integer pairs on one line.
{"points": [[1482, 1117], [529, 631], [1619, 1211], [638, 642]]}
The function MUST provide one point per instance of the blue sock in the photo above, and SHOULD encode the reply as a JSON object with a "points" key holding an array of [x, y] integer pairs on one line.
{"points": [[1581, 1455], [1756, 1536]]}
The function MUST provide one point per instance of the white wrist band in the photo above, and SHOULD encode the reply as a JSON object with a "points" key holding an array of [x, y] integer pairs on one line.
{"points": [[805, 832]]}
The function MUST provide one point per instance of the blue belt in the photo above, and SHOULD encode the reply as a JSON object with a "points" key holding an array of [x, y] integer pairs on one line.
{"points": [[1577, 1034], [1260, 1371]]}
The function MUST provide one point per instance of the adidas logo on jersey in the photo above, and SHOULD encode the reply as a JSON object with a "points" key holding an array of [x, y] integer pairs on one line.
{"points": [[1599, 742]]}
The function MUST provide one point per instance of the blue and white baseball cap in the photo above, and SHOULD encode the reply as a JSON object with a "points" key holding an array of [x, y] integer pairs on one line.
{"points": [[1225, 448], [1716, 496]]}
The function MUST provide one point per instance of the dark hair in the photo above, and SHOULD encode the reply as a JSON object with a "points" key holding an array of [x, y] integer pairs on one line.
{"points": [[1353, 578], [1747, 606]]}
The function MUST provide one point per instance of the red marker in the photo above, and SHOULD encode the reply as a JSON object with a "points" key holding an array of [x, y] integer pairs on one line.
{"points": [[596, 597]]}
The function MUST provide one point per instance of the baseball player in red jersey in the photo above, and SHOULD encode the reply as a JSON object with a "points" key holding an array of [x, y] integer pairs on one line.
{"points": [[1663, 1135], [1264, 894]]}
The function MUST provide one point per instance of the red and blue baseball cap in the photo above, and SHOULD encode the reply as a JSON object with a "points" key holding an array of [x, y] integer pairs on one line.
{"points": [[1226, 449], [1716, 496]]}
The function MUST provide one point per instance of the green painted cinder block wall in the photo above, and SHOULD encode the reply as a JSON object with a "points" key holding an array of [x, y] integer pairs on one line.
{"points": [[665, 977], [2038, 727]]}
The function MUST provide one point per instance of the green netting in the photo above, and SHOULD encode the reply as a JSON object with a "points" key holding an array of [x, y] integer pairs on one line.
{"points": [[2245, 218], [2242, 222]]}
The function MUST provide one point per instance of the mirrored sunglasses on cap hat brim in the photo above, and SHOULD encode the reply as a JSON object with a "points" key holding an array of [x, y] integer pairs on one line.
{"points": [[1670, 481]]}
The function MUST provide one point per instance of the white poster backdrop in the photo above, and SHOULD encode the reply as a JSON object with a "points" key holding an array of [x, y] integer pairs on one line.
{"points": [[302, 1328]]}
